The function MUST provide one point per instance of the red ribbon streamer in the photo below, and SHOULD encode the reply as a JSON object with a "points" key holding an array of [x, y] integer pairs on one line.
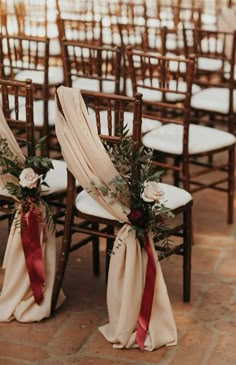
{"points": [[30, 236], [147, 299]]}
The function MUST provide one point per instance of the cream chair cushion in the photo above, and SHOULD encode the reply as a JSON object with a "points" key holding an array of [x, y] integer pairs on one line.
{"points": [[169, 139], [173, 198], [213, 99], [84, 83], [55, 75]]}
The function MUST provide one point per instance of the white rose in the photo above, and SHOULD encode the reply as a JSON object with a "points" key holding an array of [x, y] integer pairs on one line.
{"points": [[152, 192], [28, 178]]}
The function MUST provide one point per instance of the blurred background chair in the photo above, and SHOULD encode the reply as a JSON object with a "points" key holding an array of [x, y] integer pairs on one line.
{"points": [[17, 95], [215, 104], [180, 146], [25, 57]]}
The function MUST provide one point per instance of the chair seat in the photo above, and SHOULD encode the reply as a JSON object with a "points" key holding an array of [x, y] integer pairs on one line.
{"points": [[173, 198], [55, 75], [56, 178], [147, 124], [169, 139], [213, 99], [84, 83], [38, 113], [209, 64], [156, 95]]}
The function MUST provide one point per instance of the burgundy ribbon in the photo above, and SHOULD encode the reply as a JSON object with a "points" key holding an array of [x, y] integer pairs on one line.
{"points": [[147, 299], [30, 236]]}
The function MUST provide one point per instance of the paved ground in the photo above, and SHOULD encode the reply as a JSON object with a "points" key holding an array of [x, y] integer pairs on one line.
{"points": [[206, 326]]}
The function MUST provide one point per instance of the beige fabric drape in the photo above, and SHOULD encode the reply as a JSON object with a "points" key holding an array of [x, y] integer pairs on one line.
{"points": [[87, 159], [16, 299]]}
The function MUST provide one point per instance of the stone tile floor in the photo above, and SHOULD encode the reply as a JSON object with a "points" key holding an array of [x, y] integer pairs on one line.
{"points": [[206, 326]]}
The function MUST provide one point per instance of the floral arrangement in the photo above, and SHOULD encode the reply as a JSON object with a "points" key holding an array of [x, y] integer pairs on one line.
{"points": [[31, 212], [26, 179], [138, 186]]}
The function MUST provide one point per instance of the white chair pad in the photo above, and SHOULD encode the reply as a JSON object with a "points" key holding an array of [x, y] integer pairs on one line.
{"points": [[209, 64], [147, 124], [213, 99], [173, 198], [87, 205], [55, 75], [56, 178], [84, 83], [156, 95], [38, 113], [169, 139]]}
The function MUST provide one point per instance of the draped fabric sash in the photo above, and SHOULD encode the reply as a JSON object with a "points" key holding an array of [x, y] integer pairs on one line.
{"points": [[29, 261], [130, 302]]}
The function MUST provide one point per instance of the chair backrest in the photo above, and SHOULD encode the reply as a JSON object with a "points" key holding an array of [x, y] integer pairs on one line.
{"points": [[13, 95], [74, 9], [214, 48], [23, 53], [166, 85], [98, 66], [80, 30], [107, 116], [23, 57]]}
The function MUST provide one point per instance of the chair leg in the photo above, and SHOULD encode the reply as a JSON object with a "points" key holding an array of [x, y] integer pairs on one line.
{"points": [[109, 248], [64, 254], [231, 185], [96, 256], [63, 258], [187, 236]]}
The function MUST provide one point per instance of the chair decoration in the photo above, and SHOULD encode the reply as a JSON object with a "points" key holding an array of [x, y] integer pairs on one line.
{"points": [[30, 256], [139, 310]]}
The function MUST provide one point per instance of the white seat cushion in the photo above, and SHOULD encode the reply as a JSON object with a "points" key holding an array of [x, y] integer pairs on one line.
{"points": [[87, 205], [56, 178], [38, 113], [55, 75], [209, 64], [147, 124], [173, 198], [84, 83], [214, 99], [169, 139], [156, 95]]}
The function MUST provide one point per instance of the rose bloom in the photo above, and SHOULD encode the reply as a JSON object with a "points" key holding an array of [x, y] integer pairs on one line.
{"points": [[28, 178], [136, 216], [151, 192]]}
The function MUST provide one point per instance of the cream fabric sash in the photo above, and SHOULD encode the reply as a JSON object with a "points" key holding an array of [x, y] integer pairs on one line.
{"points": [[16, 299], [87, 159]]}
